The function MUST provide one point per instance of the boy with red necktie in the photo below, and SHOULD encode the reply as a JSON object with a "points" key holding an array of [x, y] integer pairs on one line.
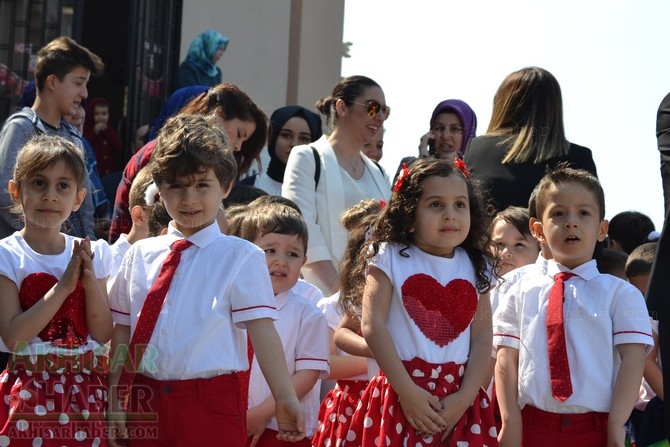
{"points": [[571, 341], [179, 338]]}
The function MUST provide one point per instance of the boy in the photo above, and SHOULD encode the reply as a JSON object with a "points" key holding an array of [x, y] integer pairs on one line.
{"points": [[62, 71], [187, 389], [281, 232], [569, 362]]}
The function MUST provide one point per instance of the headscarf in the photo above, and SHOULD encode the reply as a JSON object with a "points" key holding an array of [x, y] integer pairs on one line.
{"points": [[177, 100], [465, 114], [279, 117], [203, 48], [27, 98]]}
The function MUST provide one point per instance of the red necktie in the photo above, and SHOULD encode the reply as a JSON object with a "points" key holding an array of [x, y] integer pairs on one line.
{"points": [[149, 315], [559, 368]]}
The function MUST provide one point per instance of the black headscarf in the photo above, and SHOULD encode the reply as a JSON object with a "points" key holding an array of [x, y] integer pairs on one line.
{"points": [[279, 117]]}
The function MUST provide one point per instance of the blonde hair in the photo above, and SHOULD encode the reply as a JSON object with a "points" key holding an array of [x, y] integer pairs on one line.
{"points": [[139, 187]]}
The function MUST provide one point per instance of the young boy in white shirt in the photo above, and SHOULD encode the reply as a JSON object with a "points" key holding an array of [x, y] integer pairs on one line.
{"points": [[185, 386], [281, 232], [572, 382]]}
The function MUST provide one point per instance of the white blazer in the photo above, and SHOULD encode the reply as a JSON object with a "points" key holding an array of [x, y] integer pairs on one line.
{"points": [[323, 207]]}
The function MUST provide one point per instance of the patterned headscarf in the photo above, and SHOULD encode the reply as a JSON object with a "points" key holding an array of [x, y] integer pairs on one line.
{"points": [[204, 47]]}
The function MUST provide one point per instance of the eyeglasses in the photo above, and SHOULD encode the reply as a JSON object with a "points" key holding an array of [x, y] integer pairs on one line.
{"points": [[374, 107], [450, 130]]}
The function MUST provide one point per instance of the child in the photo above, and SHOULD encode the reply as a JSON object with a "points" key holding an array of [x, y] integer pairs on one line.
{"points": [[514, 245], [104, 139], [647, 417], [348, 365], [582, 392], [426, 314], [199, 344], [281, 232], [54, 315], [629, 229], [140, 213], [62, 71]]}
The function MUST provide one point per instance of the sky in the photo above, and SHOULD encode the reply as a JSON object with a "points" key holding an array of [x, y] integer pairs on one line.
{"points": [[608, 57]]}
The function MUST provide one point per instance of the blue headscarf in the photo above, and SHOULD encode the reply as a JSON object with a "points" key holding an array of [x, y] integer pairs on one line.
{"points": [[203, 48]]}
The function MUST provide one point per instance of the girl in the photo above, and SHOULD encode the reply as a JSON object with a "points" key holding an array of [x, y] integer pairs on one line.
{"points": [[54, 314], [348, 367], [513, 244], [427, 315], [331, 174], [104, 139]]}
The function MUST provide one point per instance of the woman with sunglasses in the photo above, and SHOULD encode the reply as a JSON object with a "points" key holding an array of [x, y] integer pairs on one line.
{"points": [[356, 110]]}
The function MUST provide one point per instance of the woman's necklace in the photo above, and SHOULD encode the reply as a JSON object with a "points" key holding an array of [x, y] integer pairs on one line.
{"points": [[355, 167]]}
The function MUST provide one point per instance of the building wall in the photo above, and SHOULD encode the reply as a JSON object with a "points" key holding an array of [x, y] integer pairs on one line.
{"points": [[280, 51]]}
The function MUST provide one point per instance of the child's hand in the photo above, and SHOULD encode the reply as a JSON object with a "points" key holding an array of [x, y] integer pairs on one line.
{"points": [[86, 270], [116, 423], [510, 435], [453, 409], [616, 435], [68, 282], [290, 420], [421, 410], [99, 127], [256, 424]]}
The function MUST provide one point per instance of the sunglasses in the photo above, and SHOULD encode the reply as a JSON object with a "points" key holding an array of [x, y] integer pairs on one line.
{"points": [[374, 107]]}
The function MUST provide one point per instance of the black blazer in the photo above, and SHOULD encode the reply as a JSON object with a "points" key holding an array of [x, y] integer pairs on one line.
{"points": [[511, 184]]}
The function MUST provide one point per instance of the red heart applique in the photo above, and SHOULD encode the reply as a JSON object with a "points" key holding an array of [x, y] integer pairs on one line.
{"points": [[68, 327], [441, 312]]}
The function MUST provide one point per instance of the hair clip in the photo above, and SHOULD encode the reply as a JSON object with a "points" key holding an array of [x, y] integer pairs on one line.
{"points": [[151, 195], [460, 164], [404, 173], [382, 203]]}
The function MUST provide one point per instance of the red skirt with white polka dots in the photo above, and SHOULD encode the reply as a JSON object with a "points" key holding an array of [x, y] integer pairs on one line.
{"points": [[379, 420], [336, 411], [52, 400]]}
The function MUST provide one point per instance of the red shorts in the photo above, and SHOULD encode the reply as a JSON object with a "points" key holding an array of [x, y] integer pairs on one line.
{"points": [[187, 412], [541, 428]]}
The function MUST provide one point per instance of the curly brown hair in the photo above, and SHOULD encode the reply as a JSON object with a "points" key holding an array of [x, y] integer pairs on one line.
{"points": [[395, 221]]}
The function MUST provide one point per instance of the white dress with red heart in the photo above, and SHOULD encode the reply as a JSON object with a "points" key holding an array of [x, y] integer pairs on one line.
{"points": [[54, 390], [433, 303]]}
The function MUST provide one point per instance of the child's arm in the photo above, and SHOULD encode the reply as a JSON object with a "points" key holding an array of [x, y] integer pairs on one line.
{"points": [[116, 415], [652, 372], [419, 406], [270, 354], [259, 416], [479, 359], [626, 390], [507, 392], [19, 326], [98, 315], [348, 340], [342, 366]]}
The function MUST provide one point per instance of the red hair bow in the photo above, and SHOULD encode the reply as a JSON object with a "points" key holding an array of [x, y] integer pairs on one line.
{"points": [[460, 164], [404, 173]]}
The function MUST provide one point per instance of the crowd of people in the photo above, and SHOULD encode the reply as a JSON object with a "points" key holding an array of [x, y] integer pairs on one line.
{"points": [[479, 297]]}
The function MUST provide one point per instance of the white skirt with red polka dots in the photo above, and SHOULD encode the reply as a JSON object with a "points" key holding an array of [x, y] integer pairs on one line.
{"points": [[376, 424], [336, 411], [51, 400]]}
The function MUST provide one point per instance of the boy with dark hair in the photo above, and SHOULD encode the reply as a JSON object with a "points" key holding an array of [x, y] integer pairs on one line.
{"points": [[62, 71], [193, 314], [571, 341], [281, 232]]}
